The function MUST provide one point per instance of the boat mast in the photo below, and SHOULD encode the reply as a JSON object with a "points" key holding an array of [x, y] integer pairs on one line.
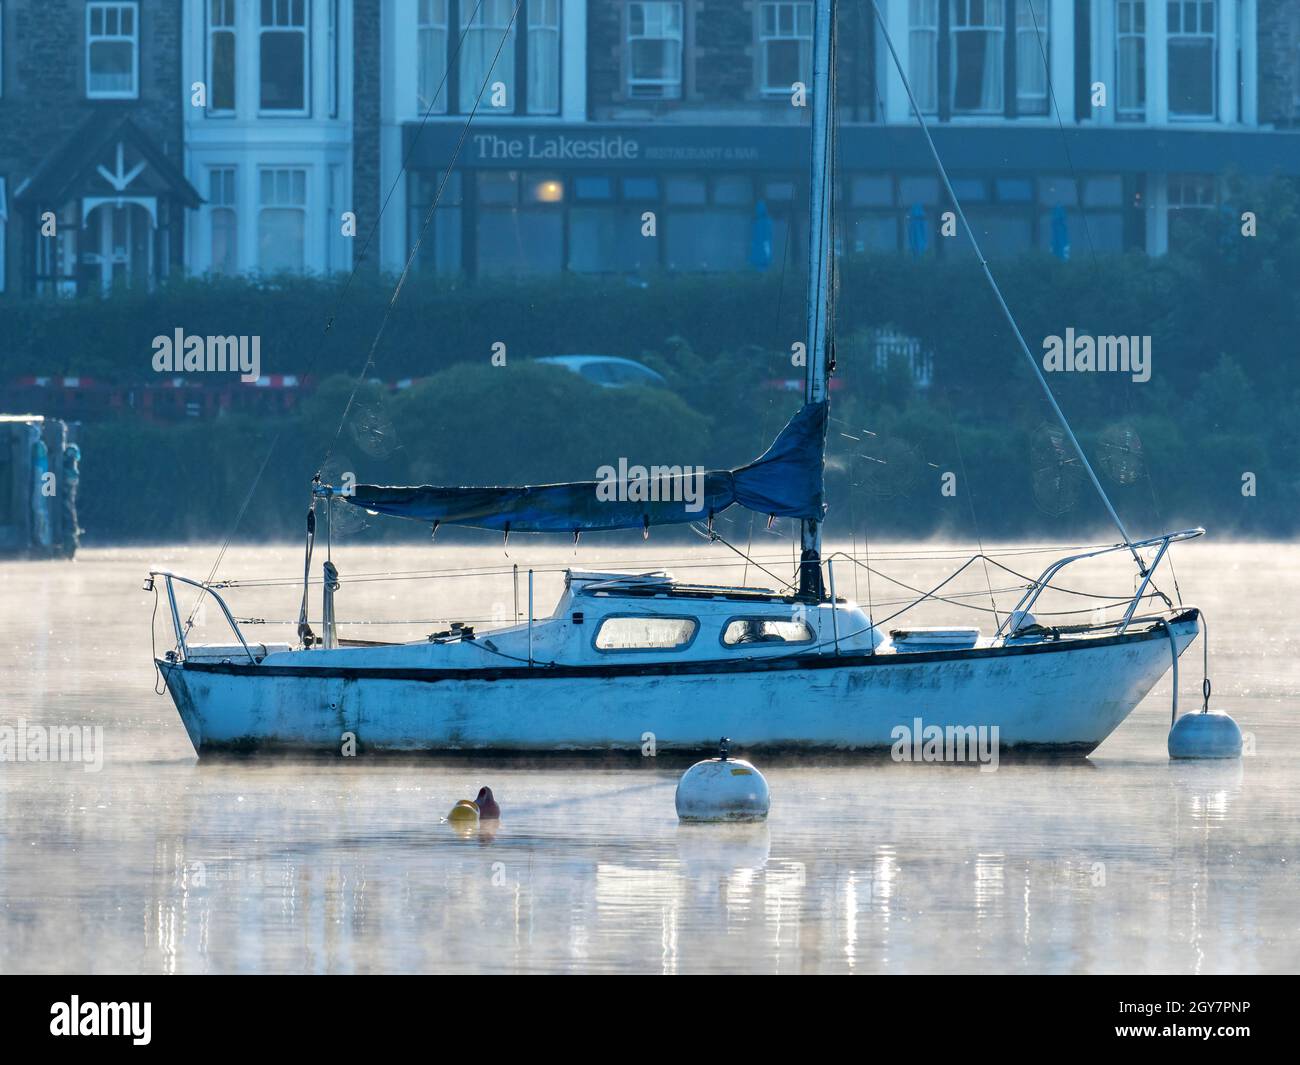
{"points": [[820, 265]]}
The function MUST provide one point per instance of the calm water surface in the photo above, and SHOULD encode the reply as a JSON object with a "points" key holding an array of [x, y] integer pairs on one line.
{"points": [[156, 863]]}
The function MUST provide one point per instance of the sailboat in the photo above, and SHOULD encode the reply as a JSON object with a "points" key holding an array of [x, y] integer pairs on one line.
{"points": [[626, 656]]}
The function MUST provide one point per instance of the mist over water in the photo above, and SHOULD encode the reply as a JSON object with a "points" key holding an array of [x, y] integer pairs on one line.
{"points": [[157, 863]]}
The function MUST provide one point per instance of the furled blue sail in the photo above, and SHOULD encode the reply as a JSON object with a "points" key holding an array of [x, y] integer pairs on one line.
{"points": [[785, 482]]}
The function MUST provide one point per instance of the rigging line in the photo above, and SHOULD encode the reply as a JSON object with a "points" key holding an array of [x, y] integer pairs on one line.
{"points": [[714, 535], [338, 302], [1092, 251], [424, 229], [970, 497], [997, 292], [406, 158]]}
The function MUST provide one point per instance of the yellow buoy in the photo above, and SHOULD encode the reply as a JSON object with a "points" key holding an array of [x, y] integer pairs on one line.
{"points": [[464, 812]]}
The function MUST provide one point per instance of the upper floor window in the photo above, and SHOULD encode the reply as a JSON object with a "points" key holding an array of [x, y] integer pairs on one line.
{"points": [[1193, 37], [283, 51], [784, 46], [965, 56], [485, 68], [1131, 59], [976, 56], [431, 46], [543, 57], [1031, 57], [332, 55], [654, 49], [221, 56], [487, 56], [112, 51], [923, 51]]}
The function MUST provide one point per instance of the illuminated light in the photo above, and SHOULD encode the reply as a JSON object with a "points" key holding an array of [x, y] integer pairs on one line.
{"points": [[549, 192]]}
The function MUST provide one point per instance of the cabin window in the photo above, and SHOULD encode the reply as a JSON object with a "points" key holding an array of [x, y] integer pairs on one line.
{"points": [[649, 633], [744, 631]]}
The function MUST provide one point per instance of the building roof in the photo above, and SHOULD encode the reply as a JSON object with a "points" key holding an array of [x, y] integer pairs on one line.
{"points": [[65, 171]]}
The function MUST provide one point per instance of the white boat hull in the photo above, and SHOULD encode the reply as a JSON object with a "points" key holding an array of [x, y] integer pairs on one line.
{"points": [[1062, 695]]}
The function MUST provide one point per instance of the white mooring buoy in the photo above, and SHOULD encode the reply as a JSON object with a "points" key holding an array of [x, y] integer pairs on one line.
{"points": [[722, 789], [1207, 733]]}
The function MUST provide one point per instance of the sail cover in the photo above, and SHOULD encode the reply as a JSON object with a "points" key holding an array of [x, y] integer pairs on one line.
{"points": [[785, 482]]}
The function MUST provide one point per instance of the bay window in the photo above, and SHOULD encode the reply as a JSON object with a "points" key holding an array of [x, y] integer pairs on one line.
{"points": [[282, 47], [223, 220], [282, 220], [221, 56]]}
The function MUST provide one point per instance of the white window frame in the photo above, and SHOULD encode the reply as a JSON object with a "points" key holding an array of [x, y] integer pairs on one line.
{"points": [[286, 27], [1042, 10], [332, 58], [103, 7], [668, 88], [994, 28], [427, 23], [276, 205], [482, 27], [1134, 8], [212, 29], [553, 32], [232, 206], [1194, 6], [923, 27], [796, 10]]}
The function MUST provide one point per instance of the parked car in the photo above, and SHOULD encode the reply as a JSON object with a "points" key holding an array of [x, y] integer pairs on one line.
{"points": [[608, 371]]}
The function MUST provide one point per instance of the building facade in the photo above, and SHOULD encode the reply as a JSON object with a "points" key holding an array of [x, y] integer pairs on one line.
{"points": [[92, 189], [1084, 124], [492, 138], [269, 134]]}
